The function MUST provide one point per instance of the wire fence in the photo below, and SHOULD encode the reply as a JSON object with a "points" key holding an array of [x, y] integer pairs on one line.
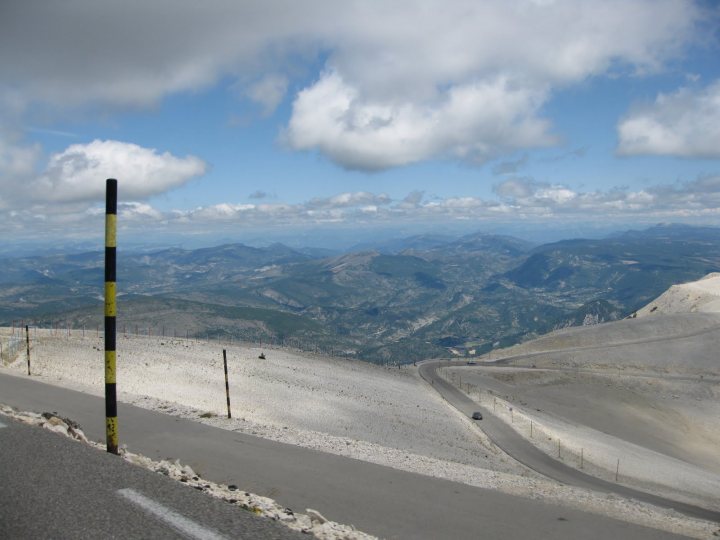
{"points": [[12, 338], [10, 347], [593, 460], [224, 336]]}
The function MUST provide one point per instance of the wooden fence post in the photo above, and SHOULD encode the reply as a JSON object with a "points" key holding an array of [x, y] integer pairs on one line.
{"points": [[227, 385], [27, 343]]}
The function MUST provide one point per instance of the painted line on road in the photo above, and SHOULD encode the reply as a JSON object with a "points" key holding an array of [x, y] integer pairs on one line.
{"points": [[177, 521]]}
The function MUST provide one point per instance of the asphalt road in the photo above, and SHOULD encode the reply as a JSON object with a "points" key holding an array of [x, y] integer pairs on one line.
{"points": [[54, 487], [379, 500], [584, 397], [526, 453]]}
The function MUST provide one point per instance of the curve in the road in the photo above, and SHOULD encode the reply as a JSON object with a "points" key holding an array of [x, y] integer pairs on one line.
{"points": [[387, 502], [517, 447], [604, 346]]}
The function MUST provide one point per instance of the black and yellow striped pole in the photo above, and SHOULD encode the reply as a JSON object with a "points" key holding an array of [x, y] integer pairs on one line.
{"points": [[111, 430]]}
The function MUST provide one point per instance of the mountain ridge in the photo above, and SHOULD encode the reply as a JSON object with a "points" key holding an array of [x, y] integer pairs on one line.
{"points": [[468, 295]]}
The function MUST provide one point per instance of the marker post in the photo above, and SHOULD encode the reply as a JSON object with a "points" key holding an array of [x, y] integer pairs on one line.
{"points": [[227, 385], [110, 315], [27, 344]]}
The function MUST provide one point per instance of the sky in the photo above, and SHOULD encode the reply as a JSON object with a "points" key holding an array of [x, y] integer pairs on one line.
{"points": [[259, 120]]}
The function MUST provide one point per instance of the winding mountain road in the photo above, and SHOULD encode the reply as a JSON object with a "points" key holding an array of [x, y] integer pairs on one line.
{"points": [[526, 453], [386, 502]]}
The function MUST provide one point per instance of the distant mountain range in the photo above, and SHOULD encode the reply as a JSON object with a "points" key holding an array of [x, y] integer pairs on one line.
{"points": [[398, 301]]}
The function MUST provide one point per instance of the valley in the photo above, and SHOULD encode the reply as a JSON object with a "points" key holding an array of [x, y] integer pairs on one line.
{"points": [[402, 301], [631, 403]]}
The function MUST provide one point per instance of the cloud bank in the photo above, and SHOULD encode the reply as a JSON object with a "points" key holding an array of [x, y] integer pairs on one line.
{"points": [[368, 85], [517, 200], [685, 124], [401, 82]]}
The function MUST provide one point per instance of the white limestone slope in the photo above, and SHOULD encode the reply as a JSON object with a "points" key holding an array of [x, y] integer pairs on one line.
{"points": [[643, 390], [385, 416], [702, 296]]}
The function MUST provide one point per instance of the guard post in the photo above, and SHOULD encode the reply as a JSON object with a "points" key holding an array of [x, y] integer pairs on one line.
{"points": [[27, 344], [111, 431], [227, 385]]}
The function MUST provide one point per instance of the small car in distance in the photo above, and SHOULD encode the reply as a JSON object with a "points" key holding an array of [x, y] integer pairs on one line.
{"points": [[477, 415]]}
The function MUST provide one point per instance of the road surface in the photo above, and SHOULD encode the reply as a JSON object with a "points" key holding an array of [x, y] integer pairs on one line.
{"points": [[379, 500], [55, 487], [526, 453]]}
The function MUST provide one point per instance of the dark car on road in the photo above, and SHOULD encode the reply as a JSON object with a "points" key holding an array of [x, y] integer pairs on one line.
{"points": [[477, 416]]}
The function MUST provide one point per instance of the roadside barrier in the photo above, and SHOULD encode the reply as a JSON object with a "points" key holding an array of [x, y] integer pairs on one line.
{"points": [[544, 437]]}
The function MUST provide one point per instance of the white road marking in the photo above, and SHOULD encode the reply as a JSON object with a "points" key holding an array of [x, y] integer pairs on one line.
{"points": [[178, 522], [2, 425]]}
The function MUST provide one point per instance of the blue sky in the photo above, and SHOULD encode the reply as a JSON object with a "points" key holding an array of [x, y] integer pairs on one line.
{"points": [[239, 120]]}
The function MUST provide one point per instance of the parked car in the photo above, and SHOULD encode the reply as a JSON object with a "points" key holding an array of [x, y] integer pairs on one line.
{"points": [[477, 415]]}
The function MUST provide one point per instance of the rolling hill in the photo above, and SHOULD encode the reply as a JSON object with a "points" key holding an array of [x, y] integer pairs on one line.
{"points": [[405, 300]]}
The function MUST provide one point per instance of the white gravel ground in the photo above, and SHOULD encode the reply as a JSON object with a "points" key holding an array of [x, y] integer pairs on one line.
{"points": [[702, 296], [385, 416], [287, 396], [562, 432]]}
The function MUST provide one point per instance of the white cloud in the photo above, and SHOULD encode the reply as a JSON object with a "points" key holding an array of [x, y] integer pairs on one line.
{"points": [[402, 82], [519, 199], [685, 123], [697, 198], [516, 188], [457, 84], [523, 198], [79, 172], [268, 92], [412, 200], [350, 199], [131, 211], [17, 160], [556, 195], [139, 51], [510, 167], [476, 122], [17, 166]]}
